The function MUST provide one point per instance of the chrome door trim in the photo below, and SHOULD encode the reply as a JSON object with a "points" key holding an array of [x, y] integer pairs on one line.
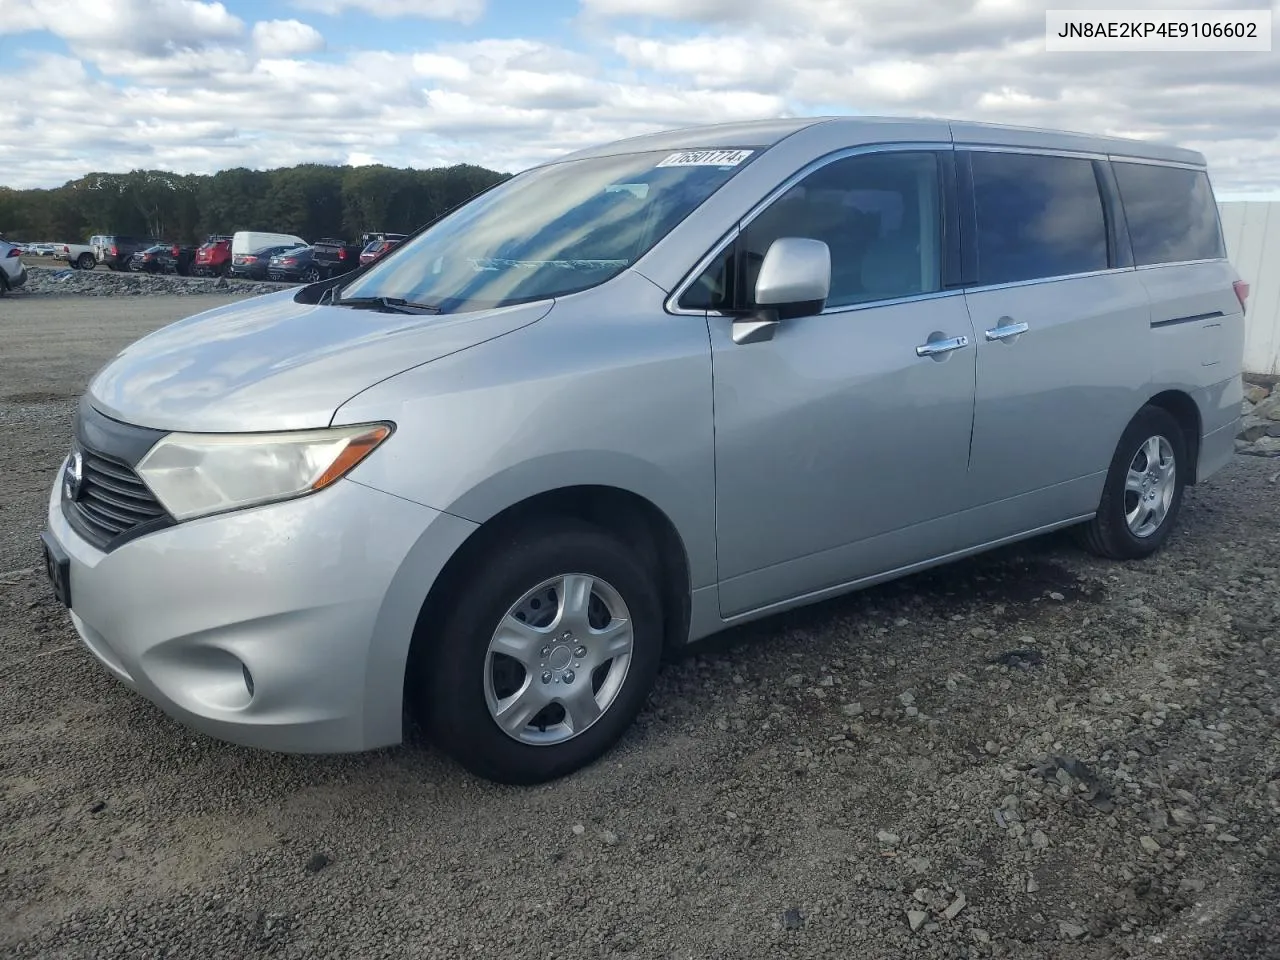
{"points": [[1151, 161], [1004, 331], [934, 348], [1042, 151]]}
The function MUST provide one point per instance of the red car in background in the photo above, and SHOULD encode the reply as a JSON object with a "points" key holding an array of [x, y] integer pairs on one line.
{"points": [[213, 258], [379, 246]]}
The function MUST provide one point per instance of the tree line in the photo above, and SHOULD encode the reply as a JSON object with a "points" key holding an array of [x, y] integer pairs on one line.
{"points": [[309, 200]]}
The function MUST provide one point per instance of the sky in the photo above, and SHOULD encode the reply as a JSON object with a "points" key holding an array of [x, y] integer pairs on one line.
{"points": [[195, 87]]}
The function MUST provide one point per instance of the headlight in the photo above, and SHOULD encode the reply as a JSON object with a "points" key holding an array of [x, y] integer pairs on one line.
{"points": [[194, 474]]}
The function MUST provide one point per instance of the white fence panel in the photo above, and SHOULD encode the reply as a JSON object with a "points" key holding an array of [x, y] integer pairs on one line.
{"points": [[1252, 230]]}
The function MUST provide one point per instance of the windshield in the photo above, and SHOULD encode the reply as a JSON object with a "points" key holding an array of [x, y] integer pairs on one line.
{"points": [[550, 231]]}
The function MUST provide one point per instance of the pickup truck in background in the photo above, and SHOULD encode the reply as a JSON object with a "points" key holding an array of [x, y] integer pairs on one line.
{"points": [[332, 257], [81, 256]]}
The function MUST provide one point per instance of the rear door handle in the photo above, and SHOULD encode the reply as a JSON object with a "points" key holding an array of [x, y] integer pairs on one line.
{"points": [[1006, 330], [935, 347]]}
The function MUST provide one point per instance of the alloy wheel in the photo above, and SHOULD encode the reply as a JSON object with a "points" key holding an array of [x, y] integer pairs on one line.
{"points": [[1149, 486]]}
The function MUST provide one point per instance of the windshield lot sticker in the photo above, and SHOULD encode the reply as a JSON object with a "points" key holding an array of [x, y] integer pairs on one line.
{"points": [[706, 158]]}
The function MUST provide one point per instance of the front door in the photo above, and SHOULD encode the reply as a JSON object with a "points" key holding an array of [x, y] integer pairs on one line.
{"points": [[842, 443]]}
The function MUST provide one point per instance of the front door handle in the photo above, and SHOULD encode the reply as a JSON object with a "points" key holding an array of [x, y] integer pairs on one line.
{"points": [[935, 347], [1006, 330]]}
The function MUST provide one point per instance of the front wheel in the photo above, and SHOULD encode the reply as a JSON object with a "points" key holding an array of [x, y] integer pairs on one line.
{"points": [[1143, 491], [545, 655]]}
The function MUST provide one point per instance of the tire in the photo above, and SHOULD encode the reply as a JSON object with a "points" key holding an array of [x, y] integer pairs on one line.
{"points": [[85, 261], [1128, 527], [457, 681], [311, 275]]}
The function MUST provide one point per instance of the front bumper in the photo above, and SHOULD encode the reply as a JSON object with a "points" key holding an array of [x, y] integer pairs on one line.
{"points": [[284, 627]]}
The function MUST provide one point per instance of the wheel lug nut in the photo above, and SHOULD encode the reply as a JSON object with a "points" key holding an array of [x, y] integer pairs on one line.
{"points": [[567, 636], [546, 676], [580, 652], [546, 651], [568, 676]]}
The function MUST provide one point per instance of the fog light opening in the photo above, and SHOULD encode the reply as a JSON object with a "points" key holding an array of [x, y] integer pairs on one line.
{"points": [[248, 679]]}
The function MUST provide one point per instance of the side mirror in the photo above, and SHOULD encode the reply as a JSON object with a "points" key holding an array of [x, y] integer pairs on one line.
{"points": [[794, 281]]}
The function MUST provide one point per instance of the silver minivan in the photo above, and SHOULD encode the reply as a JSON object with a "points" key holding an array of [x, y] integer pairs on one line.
{"points": [[626, 399]]}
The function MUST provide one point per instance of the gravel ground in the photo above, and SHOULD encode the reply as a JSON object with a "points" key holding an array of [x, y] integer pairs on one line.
{"points": [[45, 280], [1033, 754]]}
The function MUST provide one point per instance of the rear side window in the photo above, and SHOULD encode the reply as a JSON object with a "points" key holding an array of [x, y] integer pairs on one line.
{"points": [[1171, 213], [1037, 217]]}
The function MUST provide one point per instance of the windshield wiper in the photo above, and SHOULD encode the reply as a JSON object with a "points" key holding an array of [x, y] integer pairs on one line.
{"points": [[386, 304]]}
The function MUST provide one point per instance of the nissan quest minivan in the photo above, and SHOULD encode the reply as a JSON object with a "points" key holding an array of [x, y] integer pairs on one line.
{"points": [[634, 396]]}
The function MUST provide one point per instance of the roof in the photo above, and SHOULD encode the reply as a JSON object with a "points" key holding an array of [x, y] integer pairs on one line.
{"points": [[766, 133]]}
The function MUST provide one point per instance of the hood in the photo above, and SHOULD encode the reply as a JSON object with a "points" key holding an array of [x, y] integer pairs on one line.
{"points": [[273, 364]]}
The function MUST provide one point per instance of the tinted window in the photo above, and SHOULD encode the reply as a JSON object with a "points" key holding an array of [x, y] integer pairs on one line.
{"points": [[879, 215], [1171, 213], [1037, 217]]}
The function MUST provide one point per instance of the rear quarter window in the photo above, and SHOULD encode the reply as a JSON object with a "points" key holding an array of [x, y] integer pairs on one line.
{"points": [[1171, 213]]}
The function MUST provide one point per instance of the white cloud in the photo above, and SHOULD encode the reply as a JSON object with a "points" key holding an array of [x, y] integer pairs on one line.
{"points": [[191, 87], [286, 38], [150, 27], [463, 11]]}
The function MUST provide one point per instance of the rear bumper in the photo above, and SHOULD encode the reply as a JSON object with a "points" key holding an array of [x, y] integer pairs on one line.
{"points": [[20, 279]]}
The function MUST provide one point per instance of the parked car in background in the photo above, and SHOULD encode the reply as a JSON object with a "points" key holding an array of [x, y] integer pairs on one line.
{"points": [[247, 241], [179, 258], [117, 251], [13, 272], [333, 257], [213, 257], [41, 249], [81, 256], [253, 266], [295, 264], [380, 247]]}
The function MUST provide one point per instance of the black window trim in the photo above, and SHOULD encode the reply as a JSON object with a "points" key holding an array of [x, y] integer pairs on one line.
{"points": [[941, 148]]}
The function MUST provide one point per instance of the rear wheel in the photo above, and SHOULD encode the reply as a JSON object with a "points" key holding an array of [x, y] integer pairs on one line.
{"points": [[1144, 489], [85, 261], [311, 275], [545, 655]]}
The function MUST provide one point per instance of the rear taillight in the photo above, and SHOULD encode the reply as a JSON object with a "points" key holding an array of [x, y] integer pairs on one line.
{"points": [[342, 254], [174, 250], [1242, 294], [115, 251], [289, 260], [14, 252]]}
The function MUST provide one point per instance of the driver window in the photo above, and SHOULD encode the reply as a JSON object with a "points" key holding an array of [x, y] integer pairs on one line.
{"points": [[879, 214]]}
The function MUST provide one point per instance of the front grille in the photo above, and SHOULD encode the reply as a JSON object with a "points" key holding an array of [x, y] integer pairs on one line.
{"points": [[113, 501]]}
